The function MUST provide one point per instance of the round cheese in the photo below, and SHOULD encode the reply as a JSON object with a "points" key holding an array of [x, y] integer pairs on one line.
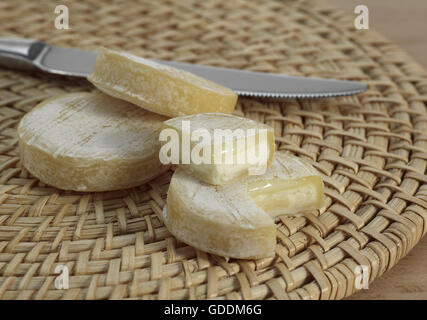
{"points": [[218, 219], [90, 142], [158, 88]]}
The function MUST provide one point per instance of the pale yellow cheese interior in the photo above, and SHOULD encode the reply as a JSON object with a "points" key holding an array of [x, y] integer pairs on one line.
{"points": [[291, 185], [90, 142], [236, 130], [158, 88], [279, 197], [237, 220]]}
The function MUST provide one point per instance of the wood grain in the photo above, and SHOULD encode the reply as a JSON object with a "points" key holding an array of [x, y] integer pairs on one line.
{"points": [[405, 26]]}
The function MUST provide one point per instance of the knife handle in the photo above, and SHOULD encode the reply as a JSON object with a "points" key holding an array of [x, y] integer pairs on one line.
{"points": [[20, 53]]}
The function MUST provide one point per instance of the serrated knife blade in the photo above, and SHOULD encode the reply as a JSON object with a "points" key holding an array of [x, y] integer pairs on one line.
{"points": [[32, 54]]}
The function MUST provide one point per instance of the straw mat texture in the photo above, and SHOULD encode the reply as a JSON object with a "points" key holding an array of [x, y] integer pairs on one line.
{"points": [[370, 149]]}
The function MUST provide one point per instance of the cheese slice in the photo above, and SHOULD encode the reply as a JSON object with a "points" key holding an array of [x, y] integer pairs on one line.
{"points": [[157, 87], [237, 220], [90, 142], [218, 148]]}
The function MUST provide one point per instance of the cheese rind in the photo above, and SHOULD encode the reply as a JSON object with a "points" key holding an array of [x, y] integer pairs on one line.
{"points": [[90, 142], [158, 88], [237, 220], [222, 221], [245, 139]]}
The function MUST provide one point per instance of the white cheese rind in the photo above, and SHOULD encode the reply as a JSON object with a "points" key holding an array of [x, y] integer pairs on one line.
{"points": [[218, 220], [90, 142]]}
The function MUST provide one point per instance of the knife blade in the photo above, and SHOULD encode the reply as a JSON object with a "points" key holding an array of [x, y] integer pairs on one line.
{"points": [[32, 54]]}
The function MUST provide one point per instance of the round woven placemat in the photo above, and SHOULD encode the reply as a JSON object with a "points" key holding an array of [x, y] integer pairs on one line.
{"points": [[370, 149]]}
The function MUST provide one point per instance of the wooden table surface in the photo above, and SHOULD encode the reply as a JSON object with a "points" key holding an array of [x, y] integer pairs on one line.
{"points": [[404, 23]]}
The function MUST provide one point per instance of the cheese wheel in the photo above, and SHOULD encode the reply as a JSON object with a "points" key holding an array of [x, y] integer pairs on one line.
{"points": [[237, 220], [158, 88], [90, 142], [235, 146], [220, 220]]}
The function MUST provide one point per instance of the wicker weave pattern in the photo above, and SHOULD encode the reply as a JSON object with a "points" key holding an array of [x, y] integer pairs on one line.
{"points": [[371, 150]]}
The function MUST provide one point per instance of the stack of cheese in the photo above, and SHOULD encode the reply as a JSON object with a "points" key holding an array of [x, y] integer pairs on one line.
{"points": [[109, 140], [228, 208], [96, 142]]}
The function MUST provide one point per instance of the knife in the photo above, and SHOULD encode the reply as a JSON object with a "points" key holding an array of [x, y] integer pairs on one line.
{"points": [[28, 54]]}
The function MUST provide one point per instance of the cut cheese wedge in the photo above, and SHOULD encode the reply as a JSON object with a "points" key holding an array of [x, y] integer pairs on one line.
{"points": [[237, 220], [291, 185], [217, 148], [90, 142], [219, 220], [157, 87]]}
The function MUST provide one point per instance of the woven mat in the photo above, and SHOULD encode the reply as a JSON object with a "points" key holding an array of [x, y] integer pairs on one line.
{"points": [[370, 149]]}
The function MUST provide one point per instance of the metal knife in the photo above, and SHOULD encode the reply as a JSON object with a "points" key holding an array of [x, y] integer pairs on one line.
{"points": [[28, 54]]}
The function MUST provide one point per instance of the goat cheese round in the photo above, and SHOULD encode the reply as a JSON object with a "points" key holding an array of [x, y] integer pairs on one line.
{"points": [[90, 142]]}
